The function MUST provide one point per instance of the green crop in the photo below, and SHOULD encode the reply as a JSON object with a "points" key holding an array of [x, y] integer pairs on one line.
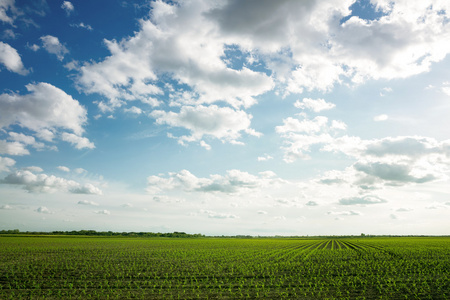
{"points": [[211, 268]]}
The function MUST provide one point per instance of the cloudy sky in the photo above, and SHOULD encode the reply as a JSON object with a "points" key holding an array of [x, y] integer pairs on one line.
{"points": [[230, 117]]}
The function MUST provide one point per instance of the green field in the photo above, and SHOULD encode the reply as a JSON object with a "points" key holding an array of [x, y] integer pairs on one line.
{"points": [[56, 267]]}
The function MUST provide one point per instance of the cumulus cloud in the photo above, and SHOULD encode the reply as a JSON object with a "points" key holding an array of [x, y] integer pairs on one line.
{"points": [[311, 203], [385, 90], [43, 183], [10, 58], [78, 141], [301, 134], [402, 42], [5, 6], [25, 139], [307, 126], [13, 148], [34, 169], [344, 213], [315, 105], [43, 210], [134, 110], [265, 157], [82, 25], [394, 174], [190, 47], [393, 161], [234, 181], [46, 110], [63, 168], [87, 188], [369, 199], [216, 215], [87, 202], [103, 212], [402, 209], [6, 163], [53, 46], [223, 123], [67, 6], [179, 41]]}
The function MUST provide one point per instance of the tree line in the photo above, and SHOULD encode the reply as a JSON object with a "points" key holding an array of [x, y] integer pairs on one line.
{"points": [[176, 234]]}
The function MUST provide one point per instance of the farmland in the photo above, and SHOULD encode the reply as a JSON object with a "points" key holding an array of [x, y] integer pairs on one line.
{"points": [[55, 267]]}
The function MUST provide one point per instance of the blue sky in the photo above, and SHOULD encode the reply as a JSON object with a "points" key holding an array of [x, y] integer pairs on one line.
{"points": [[225, 117]]}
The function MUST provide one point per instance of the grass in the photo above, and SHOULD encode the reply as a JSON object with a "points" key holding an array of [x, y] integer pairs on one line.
{"points": [[68, 267]]}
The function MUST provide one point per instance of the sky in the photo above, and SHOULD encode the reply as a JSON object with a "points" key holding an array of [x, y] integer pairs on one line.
{"points": [[254, 117]]}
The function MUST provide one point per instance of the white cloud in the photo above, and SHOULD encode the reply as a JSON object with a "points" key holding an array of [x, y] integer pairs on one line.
{"points": [[393, 173], [223, 123], [45, 108], [63, 168], [302, 45], [87, 188], [404, 209], [87, 202], [402, 43], [68, 7], [6, 163], [234, 181], [216, 215], [380, 118], [53, 46], [5, 6], [26, 140], [13, 148], [103, 212], [311, 203], [134, 110], [9, 34], [34, 47], [78, 141], [79, 170], [196, 59], [446, 90], [315, 105], [308, 126], [43, 183], [10, 58], [45, 134], [34, 169], [43, 210], [6, 206], [339, 125], [300, 135], [82, 25], [265, 157], [369, 199], [385, 90], [344, 213], [393, 161], [205, 145]]}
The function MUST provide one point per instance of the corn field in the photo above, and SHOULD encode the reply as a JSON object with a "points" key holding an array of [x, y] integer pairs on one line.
{"points": [[64, 267]]}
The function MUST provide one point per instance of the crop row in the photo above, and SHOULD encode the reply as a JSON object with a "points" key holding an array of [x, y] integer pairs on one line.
{"points": [[162, 268]]}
